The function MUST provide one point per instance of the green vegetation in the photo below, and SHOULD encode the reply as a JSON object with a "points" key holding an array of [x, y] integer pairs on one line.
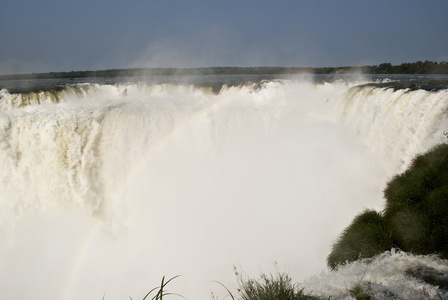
{"points": [[417, 204], [161, 290], [415, 218], [361, 291], [427, 67], [279, 287], [367, 236]]}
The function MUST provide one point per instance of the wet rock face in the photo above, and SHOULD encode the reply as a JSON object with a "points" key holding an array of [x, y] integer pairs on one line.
{"points": [[430, 276]]}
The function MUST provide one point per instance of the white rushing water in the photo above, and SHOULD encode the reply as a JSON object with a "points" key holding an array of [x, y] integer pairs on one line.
{"points": [[107, 188], [388, 276]]}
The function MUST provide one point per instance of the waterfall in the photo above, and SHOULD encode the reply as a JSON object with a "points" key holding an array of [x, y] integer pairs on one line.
{"points": [[109, 187]]}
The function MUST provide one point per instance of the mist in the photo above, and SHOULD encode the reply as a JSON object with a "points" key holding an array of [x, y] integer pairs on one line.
{"points": [[110, 193]]}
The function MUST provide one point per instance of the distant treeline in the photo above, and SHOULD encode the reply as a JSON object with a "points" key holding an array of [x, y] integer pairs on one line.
{"points": [[427, 67]]}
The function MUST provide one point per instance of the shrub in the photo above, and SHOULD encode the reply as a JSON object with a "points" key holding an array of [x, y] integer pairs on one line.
{"points": [[417, 204], [415, 217], [279, 287], [365, 237]]}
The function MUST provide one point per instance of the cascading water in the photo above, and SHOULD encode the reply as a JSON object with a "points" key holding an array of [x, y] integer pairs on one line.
{"points": [[107, 188], [396, 124]]}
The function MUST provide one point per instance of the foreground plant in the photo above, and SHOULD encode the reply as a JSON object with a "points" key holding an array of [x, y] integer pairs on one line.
{"points": [[270, 287], [361, 291], [161, 291]]}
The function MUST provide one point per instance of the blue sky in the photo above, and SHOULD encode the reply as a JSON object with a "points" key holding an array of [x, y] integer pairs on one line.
{"points": [[61, 35]]}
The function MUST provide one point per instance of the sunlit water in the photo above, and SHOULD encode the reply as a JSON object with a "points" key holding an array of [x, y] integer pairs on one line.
{"points": [[106, 188]]}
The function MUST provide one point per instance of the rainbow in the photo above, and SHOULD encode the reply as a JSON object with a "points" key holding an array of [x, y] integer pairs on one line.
{"points": [[116, 193]]}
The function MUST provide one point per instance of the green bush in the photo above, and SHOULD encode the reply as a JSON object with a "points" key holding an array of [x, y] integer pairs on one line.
{"points": [[279, 287], [366, 236], [417, 204], [415, 217]]}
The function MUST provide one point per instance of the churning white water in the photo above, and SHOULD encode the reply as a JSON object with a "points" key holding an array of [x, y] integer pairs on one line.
{"points": [[104, 189]]}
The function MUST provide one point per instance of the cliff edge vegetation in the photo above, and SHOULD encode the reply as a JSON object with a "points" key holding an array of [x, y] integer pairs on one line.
{"points": [[415, 217]]}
